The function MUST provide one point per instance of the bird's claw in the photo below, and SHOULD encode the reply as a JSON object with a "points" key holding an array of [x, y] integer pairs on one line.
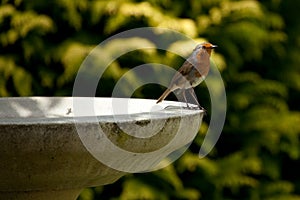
{"points": [[196, 108]]}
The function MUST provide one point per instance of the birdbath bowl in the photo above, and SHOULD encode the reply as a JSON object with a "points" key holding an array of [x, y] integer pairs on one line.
{"points": [[53, 147]]}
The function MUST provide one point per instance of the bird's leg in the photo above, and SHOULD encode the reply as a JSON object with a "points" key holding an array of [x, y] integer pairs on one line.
{"points": [[184, 97], [191, 91], [195, 99]]}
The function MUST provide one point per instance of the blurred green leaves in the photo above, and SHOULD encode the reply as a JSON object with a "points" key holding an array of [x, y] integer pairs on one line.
{"points": [[20, 79]]}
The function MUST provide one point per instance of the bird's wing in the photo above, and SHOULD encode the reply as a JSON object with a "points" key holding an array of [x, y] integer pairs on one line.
{"points": [[182, 73], [185, 68]]}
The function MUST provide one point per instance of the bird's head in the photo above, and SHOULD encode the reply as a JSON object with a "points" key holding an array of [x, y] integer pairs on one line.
{"points": [[206, 46]]}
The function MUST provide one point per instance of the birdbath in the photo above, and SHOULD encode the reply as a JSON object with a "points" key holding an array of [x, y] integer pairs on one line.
{"points": [[53, 147]]}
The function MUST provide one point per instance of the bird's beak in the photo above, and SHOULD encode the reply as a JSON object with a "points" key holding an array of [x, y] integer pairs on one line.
{"points": [[214, 46]]}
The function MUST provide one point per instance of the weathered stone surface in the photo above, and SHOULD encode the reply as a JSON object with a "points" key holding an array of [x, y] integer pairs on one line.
{"points": [[42, 155]]}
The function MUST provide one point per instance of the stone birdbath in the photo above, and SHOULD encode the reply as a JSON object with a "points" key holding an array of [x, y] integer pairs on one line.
{"points": [[53, 147]]}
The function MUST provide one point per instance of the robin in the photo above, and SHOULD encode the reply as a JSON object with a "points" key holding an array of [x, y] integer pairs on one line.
{"points": [[191, 73]]}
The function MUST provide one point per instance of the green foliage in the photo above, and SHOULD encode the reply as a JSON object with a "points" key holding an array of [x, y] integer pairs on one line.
{"points": [[42, 45]]}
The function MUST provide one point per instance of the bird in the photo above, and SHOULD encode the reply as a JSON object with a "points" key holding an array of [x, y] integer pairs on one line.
{"points": [[192, 72]]}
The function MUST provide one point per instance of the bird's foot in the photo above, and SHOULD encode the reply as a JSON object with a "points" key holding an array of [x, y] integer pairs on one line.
{"points": [[201, 108], [198, 107]]}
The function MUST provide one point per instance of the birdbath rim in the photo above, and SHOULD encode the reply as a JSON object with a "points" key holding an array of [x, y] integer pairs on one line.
{"points": [[45, 109]]}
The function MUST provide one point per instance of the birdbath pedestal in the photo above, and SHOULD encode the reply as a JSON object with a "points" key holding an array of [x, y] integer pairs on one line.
{"points": [[53, 147]]}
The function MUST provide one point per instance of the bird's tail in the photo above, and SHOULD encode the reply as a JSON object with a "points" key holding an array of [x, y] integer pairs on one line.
{"points": [[164, 95]]}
